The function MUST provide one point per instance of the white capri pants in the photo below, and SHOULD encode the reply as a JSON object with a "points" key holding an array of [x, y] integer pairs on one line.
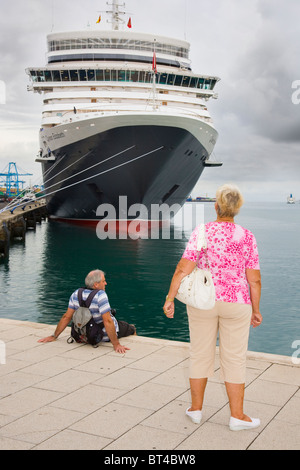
{"points": [[232, 320]]}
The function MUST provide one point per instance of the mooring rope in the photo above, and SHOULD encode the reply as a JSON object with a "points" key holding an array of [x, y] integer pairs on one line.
{"points": [[19, 203]]}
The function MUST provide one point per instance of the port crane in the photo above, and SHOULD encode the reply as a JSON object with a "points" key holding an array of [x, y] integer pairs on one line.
{"points": [[10, 178]]}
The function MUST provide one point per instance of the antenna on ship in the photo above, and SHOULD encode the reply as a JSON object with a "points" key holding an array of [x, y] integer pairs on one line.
{"points": [[154, 72], [116, 13]]}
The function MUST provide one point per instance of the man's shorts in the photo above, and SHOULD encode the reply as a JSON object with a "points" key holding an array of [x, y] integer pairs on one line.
{"points": [[125, 329]]}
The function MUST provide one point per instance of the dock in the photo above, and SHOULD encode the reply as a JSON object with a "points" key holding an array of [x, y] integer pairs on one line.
{"points": [[15, 221], [60, 396]]}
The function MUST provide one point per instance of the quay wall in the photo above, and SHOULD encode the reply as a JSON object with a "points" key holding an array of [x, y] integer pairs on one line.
{"points": [[15, 221]]}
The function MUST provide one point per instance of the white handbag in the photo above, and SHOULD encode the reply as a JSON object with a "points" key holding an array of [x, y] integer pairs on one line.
{"points": [[197, 288]]}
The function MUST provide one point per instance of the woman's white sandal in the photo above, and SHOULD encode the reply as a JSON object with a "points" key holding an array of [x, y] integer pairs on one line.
{"points": [[239, 424], [195, 416]]}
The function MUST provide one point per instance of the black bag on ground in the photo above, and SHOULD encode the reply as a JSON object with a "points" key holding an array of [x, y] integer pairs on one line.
{"points": [[84, 329]]}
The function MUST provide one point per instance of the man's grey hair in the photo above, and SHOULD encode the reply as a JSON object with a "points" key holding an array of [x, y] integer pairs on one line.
{"points": [[92, 277]]}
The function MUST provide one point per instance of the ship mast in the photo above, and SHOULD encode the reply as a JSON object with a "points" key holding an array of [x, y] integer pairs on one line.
{"points": [[116, 13]]}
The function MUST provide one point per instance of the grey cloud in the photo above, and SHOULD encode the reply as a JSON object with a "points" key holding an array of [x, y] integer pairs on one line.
{"points": [[252, 46]]}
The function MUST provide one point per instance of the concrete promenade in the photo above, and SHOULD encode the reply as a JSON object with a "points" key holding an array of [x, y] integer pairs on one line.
{"points": [[20, 210], [70, 396]]}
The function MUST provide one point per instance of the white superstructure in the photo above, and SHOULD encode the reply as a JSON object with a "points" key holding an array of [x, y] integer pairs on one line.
{"points": [[94, 73], [100, 84]]}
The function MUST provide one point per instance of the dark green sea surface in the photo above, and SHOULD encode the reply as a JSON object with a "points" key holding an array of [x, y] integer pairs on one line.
{"points": [[39, 275]]}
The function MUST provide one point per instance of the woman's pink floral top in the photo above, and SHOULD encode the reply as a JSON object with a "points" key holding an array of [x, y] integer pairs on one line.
{"points": [[231, 249]]}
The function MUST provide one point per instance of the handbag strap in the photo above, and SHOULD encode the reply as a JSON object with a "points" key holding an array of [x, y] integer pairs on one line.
{"points": [[202, 244]]}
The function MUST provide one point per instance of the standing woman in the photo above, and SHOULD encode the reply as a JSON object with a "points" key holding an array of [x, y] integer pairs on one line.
{"points": [[234, 264]]}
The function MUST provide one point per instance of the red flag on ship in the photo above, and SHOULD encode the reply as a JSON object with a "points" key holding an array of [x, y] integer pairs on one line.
{"points": [[154, 63], [129, 23], [99, 19]]}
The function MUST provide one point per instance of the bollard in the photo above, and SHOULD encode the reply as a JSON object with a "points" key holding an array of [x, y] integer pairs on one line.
{"points": [[18, 229], [38, 216], [4, 239], [30, 219]]}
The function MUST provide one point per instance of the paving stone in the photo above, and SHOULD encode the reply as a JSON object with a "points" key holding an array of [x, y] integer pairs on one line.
{"points": [[72, 440], [133, 401]]}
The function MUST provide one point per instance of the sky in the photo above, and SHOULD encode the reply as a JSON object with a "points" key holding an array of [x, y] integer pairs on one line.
{"points": [[253, 46]]}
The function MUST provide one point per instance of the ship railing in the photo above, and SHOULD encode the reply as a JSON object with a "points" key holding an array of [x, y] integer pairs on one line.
{"points": [[69, 116]]}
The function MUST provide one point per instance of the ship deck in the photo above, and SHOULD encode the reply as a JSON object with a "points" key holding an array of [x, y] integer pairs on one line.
{"points": [[70, 396]]}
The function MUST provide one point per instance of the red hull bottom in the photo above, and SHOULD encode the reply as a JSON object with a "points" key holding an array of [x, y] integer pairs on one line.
{"points": [[134, 229]]}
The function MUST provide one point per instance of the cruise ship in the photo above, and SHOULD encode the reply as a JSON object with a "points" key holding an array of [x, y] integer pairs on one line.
{"points": [[123, 116]]}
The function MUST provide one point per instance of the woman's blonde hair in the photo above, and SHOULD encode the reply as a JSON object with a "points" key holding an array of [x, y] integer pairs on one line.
{"points": [[229, 200]]}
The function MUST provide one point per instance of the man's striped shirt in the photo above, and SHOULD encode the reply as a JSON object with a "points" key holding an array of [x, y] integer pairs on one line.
{"points": [[98, 307]]}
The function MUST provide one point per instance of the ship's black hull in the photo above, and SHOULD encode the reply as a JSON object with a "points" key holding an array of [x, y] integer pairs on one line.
{"points": [[146, 164]]}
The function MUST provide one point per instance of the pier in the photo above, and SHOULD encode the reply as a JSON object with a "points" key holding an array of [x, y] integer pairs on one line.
{"points": [[16, 220], [60, 396]]}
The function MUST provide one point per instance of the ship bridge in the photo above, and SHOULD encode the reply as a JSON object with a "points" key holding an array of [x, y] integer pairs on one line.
{"points": [[117, 46]]}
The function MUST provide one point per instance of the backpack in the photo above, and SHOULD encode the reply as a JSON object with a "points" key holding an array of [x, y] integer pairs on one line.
{"points": [[84, 329]]}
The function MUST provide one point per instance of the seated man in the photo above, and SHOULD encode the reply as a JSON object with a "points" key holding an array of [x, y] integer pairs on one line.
{"points": [[100, 310]]}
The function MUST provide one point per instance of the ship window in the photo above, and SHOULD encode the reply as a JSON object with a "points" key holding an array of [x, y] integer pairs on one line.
{"points": [[127, 75], [99, 75], [200, 83], [171, 79], [33, 75], [40, 76], [56, 75], [193, 82], [142, 76], [82, 75], [65, 75], [134, 76], [48, 77], [148, 77], [91, 74], [121, 75], [186, 81], [178, 80], [105, 43], [74, 75], [163, 78]]}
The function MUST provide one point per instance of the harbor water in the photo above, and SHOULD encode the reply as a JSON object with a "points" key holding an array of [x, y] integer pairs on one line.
{"points": [[38, 277]]}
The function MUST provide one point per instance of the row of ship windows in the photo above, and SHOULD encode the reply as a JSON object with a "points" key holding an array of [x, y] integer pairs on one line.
{"points": [[110, 43], [121, 76]]}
